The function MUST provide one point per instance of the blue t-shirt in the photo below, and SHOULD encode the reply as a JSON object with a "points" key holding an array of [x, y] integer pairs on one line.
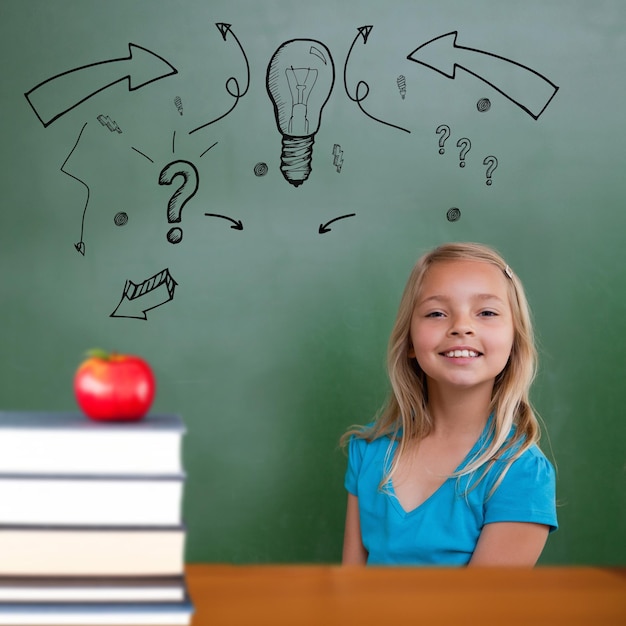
{"points": [[444, 529]]}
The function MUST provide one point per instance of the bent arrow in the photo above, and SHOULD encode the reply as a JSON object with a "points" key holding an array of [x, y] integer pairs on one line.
{"points": [[139, 298], [324, 227], [238, 224], [59, 94], [522, 85]]}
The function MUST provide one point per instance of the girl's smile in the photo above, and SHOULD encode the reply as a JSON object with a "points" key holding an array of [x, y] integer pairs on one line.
{"points": [[461, 352], [462, 326]]}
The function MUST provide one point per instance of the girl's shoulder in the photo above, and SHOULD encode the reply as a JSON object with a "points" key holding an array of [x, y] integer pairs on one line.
{"points": [[510, 450], [533, 456], [367, 457], [531, 467], [365, 442], [516, 456]]}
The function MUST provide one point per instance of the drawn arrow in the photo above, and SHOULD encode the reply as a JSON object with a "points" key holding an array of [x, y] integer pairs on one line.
{"points": [[139, 298], [80, 246], [59, 94], [362, 88], [324, 227], [232, 84], [522, 85], [238, 224]]}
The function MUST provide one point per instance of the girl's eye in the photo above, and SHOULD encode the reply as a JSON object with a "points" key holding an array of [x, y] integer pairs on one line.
{"points": [[488, 313], [435, 314]]}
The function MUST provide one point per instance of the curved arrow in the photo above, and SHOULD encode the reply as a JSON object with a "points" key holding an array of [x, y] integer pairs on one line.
{"points": [[59, 94], [364, 33], [522, 85], [238, 224], [235, 92], [324, 227]]}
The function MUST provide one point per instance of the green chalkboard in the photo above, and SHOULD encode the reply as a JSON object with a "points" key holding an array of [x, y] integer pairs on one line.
{"points": [[321, 148]]}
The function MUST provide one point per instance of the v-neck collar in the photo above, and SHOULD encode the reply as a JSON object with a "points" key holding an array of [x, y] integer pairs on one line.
{"points": [[391, 493]]}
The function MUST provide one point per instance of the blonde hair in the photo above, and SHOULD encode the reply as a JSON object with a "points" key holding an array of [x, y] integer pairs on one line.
{"points": [[406, 417]]}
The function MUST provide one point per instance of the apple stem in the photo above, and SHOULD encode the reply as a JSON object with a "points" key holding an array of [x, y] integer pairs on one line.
{"points": [[99, 353]]}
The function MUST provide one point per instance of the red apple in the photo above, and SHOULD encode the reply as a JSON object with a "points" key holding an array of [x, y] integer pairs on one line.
{"points": [[111, 386]]}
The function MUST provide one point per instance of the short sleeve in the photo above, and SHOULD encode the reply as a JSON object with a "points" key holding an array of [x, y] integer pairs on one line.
{"points": [[527, 492], [356, 450]]}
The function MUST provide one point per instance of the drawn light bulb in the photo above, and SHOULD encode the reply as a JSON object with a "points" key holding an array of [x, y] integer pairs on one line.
{"points": [[300, 78]]}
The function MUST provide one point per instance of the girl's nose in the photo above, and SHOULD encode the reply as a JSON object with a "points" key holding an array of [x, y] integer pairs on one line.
{"points": [[461, 326]]}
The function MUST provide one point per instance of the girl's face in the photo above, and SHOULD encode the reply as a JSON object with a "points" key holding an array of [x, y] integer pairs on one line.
{"points": [[462, 325]]}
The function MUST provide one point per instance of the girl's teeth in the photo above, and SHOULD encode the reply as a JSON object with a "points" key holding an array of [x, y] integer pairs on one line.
{"points": [[461, 353]]}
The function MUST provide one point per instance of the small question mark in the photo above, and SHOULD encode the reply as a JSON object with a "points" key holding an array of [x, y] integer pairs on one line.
{"points": [[492, 163], [181, 196], [444, 131], [466, 145]]}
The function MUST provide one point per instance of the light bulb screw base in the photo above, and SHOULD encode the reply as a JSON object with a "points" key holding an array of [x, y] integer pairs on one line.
{"points": [[295, 158]]}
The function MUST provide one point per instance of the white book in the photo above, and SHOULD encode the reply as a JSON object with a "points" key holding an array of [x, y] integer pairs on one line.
{"points": [[71, 443], [90, 551], [91, 500], [92, 589], [102, 614]]}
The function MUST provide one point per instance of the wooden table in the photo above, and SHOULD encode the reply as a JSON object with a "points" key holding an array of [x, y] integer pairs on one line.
{"points": [[276, 595]]}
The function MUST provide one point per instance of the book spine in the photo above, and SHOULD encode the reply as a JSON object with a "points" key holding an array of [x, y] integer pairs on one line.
{"points": [[92, 551], [91, 500]]}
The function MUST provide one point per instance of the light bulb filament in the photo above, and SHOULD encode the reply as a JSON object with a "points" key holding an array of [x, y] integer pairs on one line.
{"points": [[301, 81]]}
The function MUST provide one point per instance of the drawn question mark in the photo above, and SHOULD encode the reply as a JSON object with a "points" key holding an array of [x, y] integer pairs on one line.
{"points": [[186, 190], [491, 163], [466, 145], [444, 131]]}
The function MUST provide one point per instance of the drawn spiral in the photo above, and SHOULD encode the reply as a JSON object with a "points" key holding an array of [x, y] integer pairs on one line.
{"points": [[120, 218], [483, 105], [453, 214], [260, 169]]}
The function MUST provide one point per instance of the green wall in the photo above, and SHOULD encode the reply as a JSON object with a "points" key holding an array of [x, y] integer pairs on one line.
{"points": [[273, 340]]}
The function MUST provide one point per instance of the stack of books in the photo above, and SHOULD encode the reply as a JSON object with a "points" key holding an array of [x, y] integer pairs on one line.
{"points": [[91, 525]]}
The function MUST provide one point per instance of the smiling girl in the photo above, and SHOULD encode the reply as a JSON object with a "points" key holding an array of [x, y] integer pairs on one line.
{"points": [[450, 472]]}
